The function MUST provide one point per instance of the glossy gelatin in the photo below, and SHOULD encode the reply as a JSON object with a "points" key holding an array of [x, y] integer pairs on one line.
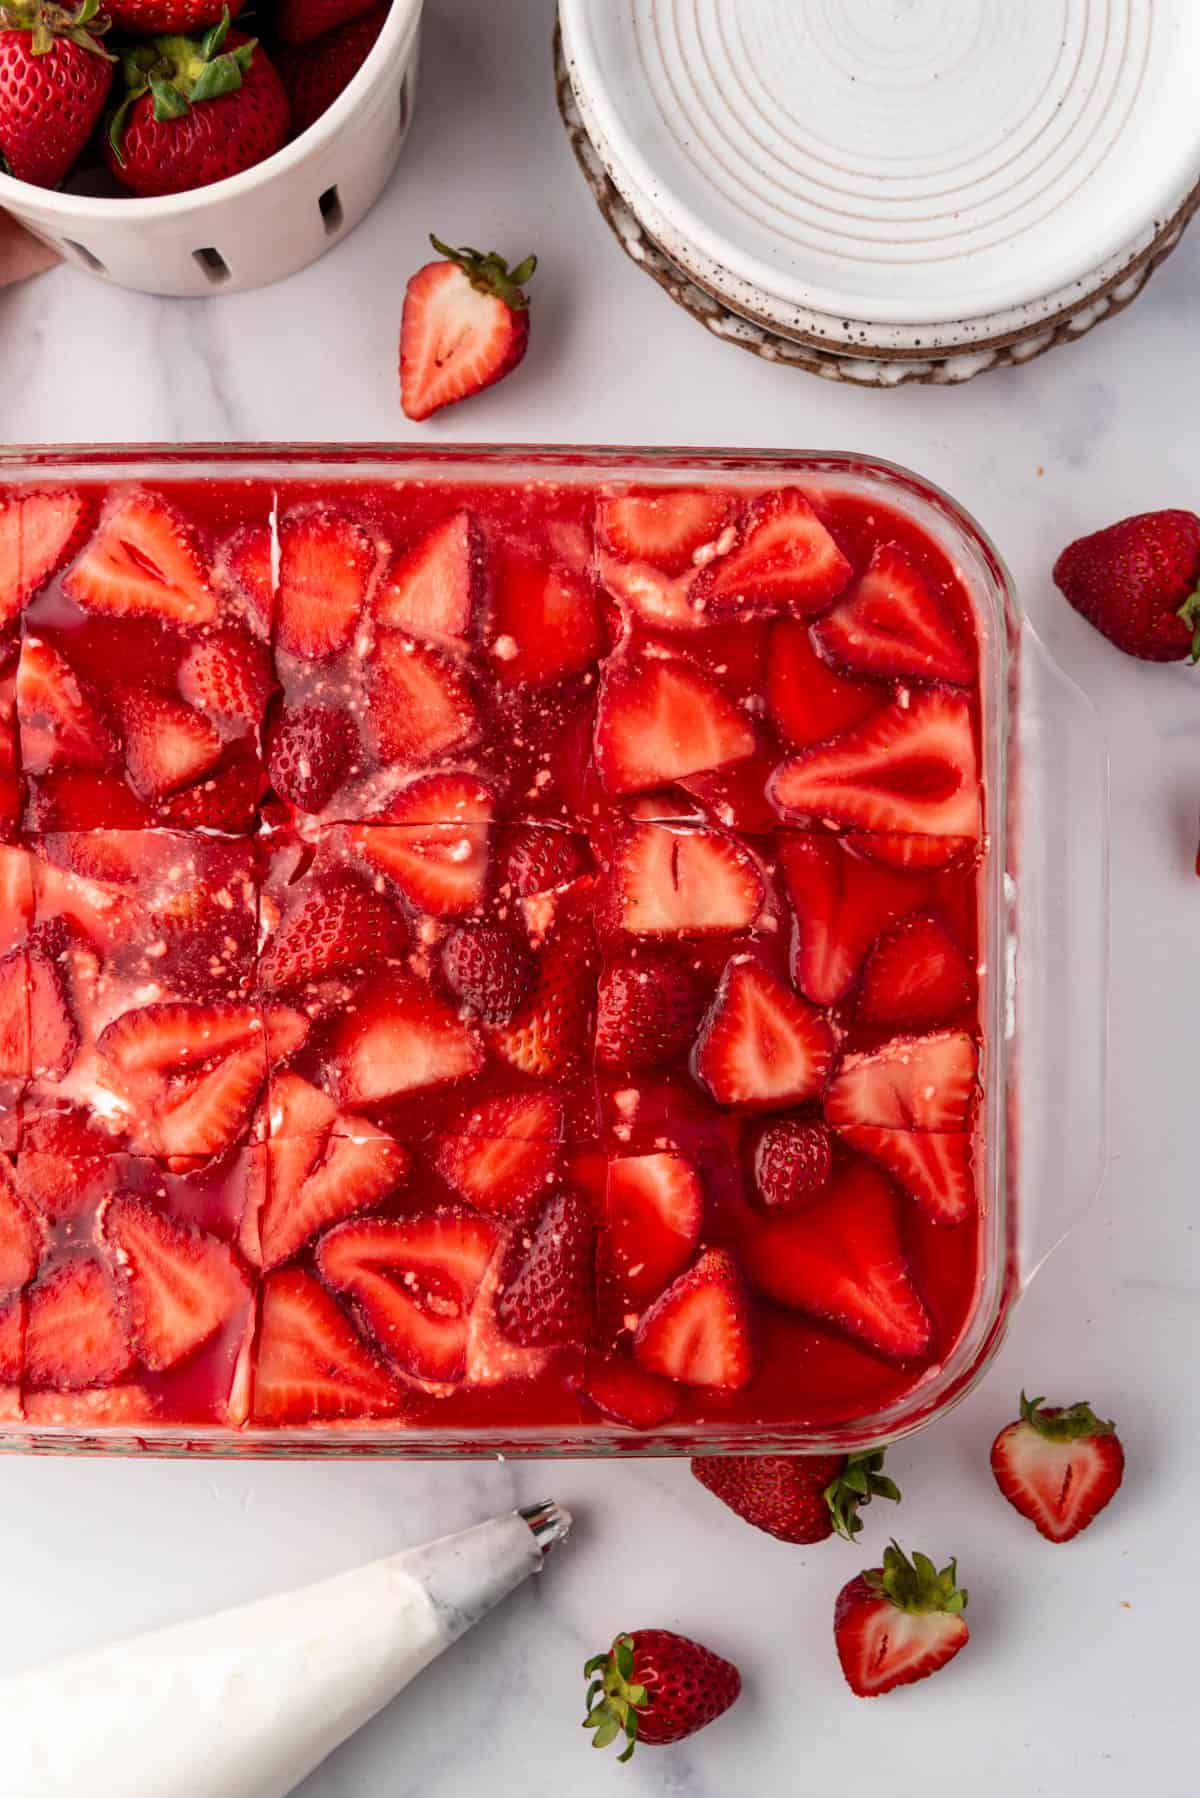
{"points": [[494, 960]]}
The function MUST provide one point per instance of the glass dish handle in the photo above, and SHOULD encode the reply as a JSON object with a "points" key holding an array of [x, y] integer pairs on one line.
{"points": [[1059, 906]]}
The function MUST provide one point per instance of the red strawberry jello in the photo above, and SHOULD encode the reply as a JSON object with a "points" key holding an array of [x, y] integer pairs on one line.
{"points": [[492, 957]]}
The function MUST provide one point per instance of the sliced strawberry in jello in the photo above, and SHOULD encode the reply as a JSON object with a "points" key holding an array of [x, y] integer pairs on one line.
{"points": [[505, 1154], [653, 1218], [761, 1044], [546, 1295], [153, 1039], [244, 570], [143, 562], [626, 1394], [893, 849], [39, 531], [663, 525], [168, 744], [660, 720], [311, 1365], [736, 796], [665, 881], [12, 1353], [842, 1262], [647, 595], [841, 904], [20, 1236], [436, 588], [420, 705], [550, 1036], [311, 751], [74, 1333], [700, 1331], [544, 626], [227, 674], [85, 799], [59, 719], [181, 1285], [125, 1404], [784, 561], [439, 869], [893, 623], [53, 1028], [807, 700], [910, 768], [648, 1009], [65, 1159], [915, 977], [935, 1167], [910, 1083], [396, 1036], [326, 566], [412, 1283], [534, 859], [334, 925]]}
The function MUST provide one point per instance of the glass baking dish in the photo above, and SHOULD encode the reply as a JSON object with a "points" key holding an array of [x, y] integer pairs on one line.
{"points": [[1043, 927]]}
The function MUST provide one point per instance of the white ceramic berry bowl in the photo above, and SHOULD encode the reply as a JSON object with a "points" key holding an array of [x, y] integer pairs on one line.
{"points": [[261, 225]]}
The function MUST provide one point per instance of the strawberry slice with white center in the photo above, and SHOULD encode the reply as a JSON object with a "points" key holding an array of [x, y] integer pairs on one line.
{"points": [[546, 1294], [915, 977], [665, 602], [449, 798], [228, 675], [59, 721], [396, 1036], [143, 562], [465, 326], [841, 904], [441, 869], [326, 565], [761, 1044], [168, 745], [353, 1172], [20, 1237], [699, 1331], [934, 1167], [244, 569], [654, 1210], [205, 1113], [181, 1284], [807, 701], [545, 623], [898, 1623], [893, 623], [74, 1335], [665, 881], [311, 1365], [436, 588], [420, 704], [505, 1155], [38, 532], [338, 926], [551, 1034], [53, 1032], [911, 768], [892, 849], [784, 561], [155, 1039], [412, 1284], [64, 1152], [625, 1394], [841, 1261], [659, 720], [663, 525], [910, 1083], [1058, 1466]]}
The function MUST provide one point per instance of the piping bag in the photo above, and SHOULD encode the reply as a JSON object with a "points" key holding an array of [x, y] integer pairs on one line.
{"points": [[246, 1703]]}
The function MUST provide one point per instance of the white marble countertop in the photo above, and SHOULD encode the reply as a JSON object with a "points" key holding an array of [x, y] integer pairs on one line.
{"points": [[1079, 1675]]}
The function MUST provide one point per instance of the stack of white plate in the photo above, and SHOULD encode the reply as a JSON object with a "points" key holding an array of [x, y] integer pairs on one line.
{"points": [[897, 185]]}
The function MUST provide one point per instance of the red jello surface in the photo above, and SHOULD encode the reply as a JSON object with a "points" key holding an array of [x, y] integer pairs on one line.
{"points": [[483, 958]]}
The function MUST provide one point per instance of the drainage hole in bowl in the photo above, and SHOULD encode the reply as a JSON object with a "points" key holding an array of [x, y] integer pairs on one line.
{"points": [[331, 210], [85, 255], [215, 267]]}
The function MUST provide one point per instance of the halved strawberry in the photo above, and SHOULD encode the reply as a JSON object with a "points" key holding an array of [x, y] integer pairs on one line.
{"points": [[699, 1331], [63, 1153], [910, 1083], [311, 1364], [143, 562], [441, 869], [550, 1036], [420, 704], [654, 1212], [761, 1044], [806, 700], [204, 1113], [396, 1036], [784, 561], [326, 563], [536, 859], [181, 1284], [311, 750], [659, 720], [842, 1262], [344, 1175], [59, 720], [841, 905], [665, 602], [53, 1032], [465, 326], [898, 1623], [449, 798], [911, 768], [663, 525], [1058, 1466], [933, 1166], [505, 1153], [488, 968], [168, 745], [228, 675], [152, 1039], [546, 1295], [337, 926], [20, 1237], [648, 1009], [676, 881], [38, 532], [244, 567], [412, 1283], [434, 590], [545, 624], [892, 623], [80, 799], [916, 976], [892, 849], [627, 1395], [74, 1335]]}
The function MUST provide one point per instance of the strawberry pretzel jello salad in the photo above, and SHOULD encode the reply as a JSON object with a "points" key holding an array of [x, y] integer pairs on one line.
{"points": [[483, 959]]}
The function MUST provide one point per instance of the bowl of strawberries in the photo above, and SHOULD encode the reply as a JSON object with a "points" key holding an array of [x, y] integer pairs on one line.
{"points": [[170, 146]]}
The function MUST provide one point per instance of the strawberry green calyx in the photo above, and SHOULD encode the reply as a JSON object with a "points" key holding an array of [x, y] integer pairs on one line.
{"points": [[917, 1585], [860, 1480], [45, 22], [489, 273], [1189, 611], [1067, 1424], [180, 72], [613, 1700]]}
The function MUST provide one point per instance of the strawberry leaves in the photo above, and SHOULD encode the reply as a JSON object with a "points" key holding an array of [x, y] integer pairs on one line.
{"points": [[860, 1480], [614, 1698]]}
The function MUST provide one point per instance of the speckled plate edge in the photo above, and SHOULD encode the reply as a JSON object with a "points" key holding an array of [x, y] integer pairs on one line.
{"points": [[871, 368]]}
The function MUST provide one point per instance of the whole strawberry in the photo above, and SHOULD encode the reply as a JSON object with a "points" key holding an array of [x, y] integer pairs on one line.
{"points": [[310, 751], [465, 325], [898, 1623], [793, 1162], [300, 21], [54, 81], [146, 18], [1138, 582], [196, 110], [655, 1687], [314, 74], [489, 968], [1058, 1467], [798, 1498]]}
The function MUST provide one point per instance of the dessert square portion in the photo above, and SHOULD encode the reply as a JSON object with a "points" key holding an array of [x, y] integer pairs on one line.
{"points": [[484, 959]]}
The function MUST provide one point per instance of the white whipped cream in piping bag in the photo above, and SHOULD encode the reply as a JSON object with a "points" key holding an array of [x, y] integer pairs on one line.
{"points": [[245, 1704]]}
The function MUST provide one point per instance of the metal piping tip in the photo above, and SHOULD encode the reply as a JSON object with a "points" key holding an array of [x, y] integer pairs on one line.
{"points": [[550, 1523]]}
